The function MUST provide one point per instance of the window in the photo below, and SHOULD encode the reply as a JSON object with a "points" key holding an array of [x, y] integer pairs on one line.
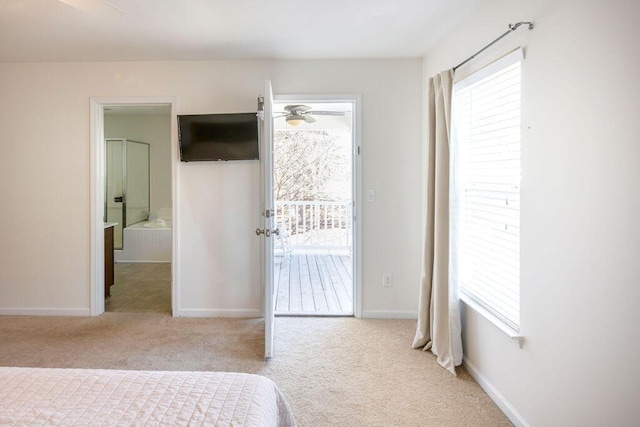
{"points": [[485, 190]]}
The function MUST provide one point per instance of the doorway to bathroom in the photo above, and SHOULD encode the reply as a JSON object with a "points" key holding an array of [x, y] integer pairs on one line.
{"points": [[138, 207]]}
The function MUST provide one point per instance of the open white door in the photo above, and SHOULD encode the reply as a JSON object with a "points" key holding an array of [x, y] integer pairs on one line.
{"points": [[268, 211]]}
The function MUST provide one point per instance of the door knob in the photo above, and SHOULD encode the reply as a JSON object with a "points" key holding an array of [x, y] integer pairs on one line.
{"points": [[266, 232]]}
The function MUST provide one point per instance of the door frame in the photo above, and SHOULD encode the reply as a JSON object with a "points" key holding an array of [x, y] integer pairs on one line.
{"points": [[266, 222], [97, 179], [356, 101]]}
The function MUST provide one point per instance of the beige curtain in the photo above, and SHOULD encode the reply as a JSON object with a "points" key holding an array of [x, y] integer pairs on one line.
{"points": [[439, 315]]}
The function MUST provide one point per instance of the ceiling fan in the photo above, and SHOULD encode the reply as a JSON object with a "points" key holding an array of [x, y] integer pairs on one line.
{"points": [[96, 7], [295, 115]]}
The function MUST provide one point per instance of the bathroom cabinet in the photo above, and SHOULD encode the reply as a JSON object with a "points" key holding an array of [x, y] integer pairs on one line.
{"points": [[108, 259]]}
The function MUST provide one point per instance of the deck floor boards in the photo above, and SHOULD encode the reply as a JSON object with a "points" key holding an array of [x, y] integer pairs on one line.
{"points": [[312, 284], [306, 289], [295, 294], [343, 290]]}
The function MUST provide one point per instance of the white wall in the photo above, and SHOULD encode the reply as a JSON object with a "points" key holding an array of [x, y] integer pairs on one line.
{"points": [[155, 130], [44, 178], [580, 277]]}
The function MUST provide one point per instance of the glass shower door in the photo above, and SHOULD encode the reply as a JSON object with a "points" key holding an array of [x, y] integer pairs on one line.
{"points": [[127, 185], [137, 182], [114, 193]]}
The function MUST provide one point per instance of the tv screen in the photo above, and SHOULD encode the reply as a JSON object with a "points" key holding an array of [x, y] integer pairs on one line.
{"points": [[218, 137]]}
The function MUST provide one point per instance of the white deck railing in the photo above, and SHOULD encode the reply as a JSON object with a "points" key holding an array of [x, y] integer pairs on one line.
{"points": [[315, 224]]}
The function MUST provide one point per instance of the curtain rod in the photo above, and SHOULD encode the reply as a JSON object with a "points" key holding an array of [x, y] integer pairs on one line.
{"points": [[512, 28]]}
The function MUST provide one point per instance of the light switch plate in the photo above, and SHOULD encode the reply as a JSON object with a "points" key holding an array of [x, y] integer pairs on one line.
{"points": [[387, 280], [371, 196]]}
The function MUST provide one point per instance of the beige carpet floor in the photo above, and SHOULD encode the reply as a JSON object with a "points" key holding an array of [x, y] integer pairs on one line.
{"points": [[333, 371], [140, 288]]}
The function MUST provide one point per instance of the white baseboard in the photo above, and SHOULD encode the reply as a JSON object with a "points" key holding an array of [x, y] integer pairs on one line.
{"points": [[191, 312], [45, 312], [506, 407], [412, 315]]}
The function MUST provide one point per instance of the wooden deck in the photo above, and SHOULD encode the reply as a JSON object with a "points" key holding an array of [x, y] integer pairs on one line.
{"points": [[311, 284]]}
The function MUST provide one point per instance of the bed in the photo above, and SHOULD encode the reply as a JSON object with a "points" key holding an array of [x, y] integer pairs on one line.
{"points": [[42, 396]]}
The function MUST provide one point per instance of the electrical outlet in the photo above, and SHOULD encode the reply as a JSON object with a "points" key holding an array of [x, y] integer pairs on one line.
{"points": [[387, 280]]}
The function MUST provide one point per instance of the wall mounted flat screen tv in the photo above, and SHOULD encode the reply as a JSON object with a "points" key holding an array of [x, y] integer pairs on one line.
{"points": [[210, 137]]}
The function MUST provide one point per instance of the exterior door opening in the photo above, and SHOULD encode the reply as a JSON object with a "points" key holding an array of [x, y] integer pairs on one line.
{"points": [[314, 193]]}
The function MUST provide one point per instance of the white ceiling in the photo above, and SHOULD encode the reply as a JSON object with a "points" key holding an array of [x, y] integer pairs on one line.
{"points": [[50, 30]]}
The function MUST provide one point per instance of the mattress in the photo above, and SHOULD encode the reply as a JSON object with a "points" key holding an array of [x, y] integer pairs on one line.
{"points": [[40, 396]]}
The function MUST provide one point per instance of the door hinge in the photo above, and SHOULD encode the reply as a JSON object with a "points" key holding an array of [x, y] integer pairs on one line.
{"points": [[358, 150], [268, 213]]}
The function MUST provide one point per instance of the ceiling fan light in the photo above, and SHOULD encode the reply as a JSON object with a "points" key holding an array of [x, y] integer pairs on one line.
{"points": [[295, 121]]}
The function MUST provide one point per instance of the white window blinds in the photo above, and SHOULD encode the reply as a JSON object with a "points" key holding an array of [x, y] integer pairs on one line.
{"points": [[485, 195]]}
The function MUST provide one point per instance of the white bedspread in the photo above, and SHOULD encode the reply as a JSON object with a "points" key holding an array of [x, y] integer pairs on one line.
{"points": [[38, 396]]}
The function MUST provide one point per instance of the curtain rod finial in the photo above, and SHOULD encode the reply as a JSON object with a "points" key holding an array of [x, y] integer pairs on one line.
{"points": [[513, 27]]}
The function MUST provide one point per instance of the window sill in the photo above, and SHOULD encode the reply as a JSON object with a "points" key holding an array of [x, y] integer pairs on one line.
{"points": [[515, 336]]}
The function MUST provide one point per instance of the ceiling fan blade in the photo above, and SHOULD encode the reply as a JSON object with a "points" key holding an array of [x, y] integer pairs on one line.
{"points": [[308, 118], [297, 109], [326, 113], [95, 7]]}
